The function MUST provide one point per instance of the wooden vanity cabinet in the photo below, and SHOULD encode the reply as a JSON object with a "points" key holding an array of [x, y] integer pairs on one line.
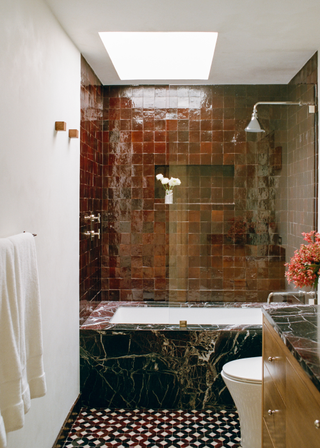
{"points": [[273, 388], [291, 402], [303, 409]]}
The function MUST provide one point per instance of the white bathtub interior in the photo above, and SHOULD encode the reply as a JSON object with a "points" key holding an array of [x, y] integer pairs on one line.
{"points": [[193, 316]]}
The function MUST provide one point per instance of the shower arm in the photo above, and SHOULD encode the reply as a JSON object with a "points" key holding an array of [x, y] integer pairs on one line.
{"points": [[284, 103]]}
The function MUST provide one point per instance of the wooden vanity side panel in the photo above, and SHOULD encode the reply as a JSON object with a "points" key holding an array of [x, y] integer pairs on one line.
{"points": [[301, 402], [266, 439], [303, 408], [276, 351], [265, 436], [273, 390]]}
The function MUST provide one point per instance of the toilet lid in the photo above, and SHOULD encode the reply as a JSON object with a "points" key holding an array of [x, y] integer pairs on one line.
{"points": [[245, 369]]}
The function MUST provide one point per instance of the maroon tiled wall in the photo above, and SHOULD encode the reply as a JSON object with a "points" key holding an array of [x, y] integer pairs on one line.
{"points": [[90, 181], [219, 240], [302, 154], [224, 237]]}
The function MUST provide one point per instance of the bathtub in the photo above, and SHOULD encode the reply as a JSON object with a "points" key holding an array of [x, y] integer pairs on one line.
{"points": [[135, 354], [192, 316]]}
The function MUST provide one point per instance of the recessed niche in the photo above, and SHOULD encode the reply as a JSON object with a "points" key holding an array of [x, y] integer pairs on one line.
{"points": [[211, 184]]}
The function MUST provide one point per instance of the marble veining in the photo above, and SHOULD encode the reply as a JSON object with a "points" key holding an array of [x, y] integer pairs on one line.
{"points": [[163, 366], [299, 328], [99, 319]]}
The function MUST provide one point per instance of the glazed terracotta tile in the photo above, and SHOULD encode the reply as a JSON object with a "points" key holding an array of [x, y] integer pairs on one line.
{"points": [[188, 128]]}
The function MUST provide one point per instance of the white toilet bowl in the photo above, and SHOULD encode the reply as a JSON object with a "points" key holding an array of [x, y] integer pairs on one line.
{"points": [[243, 378]]}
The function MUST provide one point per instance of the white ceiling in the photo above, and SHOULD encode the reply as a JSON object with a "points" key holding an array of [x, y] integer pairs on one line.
{"points": [[259, 42]]}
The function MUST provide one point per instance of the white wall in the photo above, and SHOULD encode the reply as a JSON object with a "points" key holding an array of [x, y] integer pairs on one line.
{"points": [[39, 191]]}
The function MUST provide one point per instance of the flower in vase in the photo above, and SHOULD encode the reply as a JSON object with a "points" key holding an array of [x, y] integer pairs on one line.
{"points": [[303, 269], [174, 182], [167, 183]]}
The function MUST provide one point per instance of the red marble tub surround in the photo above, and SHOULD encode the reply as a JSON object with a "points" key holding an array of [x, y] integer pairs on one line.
{"points": [[86, 308], [90, 181], [98, 317], [160, 365], [219, 240]]}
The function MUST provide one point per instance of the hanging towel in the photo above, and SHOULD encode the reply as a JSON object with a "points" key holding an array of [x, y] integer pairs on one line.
{"points": [[11, 403], [28, 299]]}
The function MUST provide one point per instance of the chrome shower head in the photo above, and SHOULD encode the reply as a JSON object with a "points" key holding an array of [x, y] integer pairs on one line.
{"points": [[254, 125]]}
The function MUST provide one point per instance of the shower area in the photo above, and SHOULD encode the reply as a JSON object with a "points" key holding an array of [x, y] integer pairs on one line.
{"points": [[237, 216]]}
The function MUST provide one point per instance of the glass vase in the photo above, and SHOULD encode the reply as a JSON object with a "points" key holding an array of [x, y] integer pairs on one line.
{"points": [[168, 199]]}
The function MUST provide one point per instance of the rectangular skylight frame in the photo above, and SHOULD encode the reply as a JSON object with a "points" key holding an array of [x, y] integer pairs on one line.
{"points": [[161, 55]]}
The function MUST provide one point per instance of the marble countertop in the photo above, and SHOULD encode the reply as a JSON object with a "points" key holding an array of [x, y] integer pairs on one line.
{"points": [[299, 328]]}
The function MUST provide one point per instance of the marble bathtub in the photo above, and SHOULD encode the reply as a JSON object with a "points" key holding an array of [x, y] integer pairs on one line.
{"points": [[167, 315], [161, 365]]}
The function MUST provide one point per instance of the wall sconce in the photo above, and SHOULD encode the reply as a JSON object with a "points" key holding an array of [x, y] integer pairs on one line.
{"points": [[73, 133], [60, 126]]}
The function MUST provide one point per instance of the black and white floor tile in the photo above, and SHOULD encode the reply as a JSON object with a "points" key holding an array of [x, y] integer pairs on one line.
{"points": [[154, 429]]}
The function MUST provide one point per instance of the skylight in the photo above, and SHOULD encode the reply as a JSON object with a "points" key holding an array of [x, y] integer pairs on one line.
{"points": [[161, 55]]}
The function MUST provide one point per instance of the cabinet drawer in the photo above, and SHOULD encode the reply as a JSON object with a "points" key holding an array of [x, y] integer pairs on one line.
{"points": [[274, 411], [303, 409], [275, 360]]}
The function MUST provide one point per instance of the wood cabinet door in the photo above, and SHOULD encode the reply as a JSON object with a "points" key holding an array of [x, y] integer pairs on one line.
{"points": [[274, 358], [274, 411], [303, 410]]}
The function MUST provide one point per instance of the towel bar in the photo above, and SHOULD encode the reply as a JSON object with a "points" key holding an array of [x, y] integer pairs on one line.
{"points": [[34, 234]]}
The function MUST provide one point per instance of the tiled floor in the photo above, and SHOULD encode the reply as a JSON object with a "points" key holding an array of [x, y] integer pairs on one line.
{"points": [[154, 429]]}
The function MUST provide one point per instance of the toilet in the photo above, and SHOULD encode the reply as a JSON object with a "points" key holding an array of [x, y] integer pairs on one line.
{"points": [[243, 378]]}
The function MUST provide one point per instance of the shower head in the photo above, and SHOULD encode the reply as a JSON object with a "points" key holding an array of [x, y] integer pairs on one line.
{"points": [[254, 125]]}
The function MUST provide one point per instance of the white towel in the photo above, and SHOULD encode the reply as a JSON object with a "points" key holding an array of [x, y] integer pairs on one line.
{"points": [[28, 298], [11, 403]]}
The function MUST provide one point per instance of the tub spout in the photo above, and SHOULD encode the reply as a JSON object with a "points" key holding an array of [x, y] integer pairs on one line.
{"points": [[305, 295]]}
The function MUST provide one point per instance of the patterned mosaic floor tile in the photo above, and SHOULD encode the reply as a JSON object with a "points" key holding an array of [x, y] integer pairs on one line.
{"points": [[150, 428]]}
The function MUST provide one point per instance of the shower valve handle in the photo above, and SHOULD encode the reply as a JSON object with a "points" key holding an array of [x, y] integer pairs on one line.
{"points": [[93, 218], [92, 233]]}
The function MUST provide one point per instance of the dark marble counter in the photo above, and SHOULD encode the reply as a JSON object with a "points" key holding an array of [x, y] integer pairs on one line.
{"points": [[299, 328]]}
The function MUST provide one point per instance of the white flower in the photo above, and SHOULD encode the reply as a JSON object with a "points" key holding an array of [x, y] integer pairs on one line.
{"points": [[164, 180], [167, 183], [174, 181]]}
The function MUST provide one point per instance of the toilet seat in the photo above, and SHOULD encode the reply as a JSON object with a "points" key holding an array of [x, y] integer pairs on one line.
{"points": [[245, 370]]}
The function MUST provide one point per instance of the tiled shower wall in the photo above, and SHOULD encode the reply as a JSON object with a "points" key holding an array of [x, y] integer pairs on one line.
{"points": [[220, 238], [90, 181], [302, 157]]}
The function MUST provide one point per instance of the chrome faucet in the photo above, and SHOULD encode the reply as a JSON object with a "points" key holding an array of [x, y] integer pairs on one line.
{"points": [[298, 295]]}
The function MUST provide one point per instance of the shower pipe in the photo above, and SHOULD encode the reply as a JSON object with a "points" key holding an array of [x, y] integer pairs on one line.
{"points": [[286, 103]]}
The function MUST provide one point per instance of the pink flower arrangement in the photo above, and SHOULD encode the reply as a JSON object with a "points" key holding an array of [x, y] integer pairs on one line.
{"points": [[303, 269]]}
